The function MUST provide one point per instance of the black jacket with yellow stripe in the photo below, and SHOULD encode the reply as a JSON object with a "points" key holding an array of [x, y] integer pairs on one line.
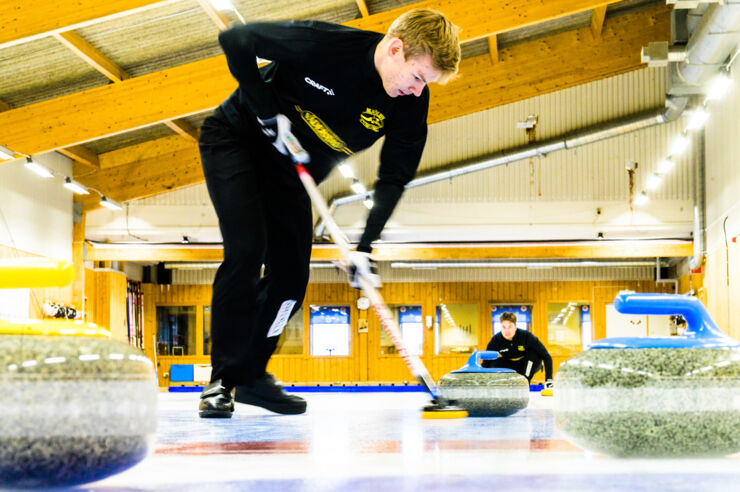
{"points": [[323, 78], [523, 345]]}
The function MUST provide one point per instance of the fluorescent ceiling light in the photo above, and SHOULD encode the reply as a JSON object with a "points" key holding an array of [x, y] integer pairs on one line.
{"points": [[520, 264], [652, 182], [718, 87], [110, 204], [697, 118], [222, 4], [37, 168], [75, 187], [642, 198], [346, 171], [358, 187], [6, 153], [665, 166], [679, 145]]}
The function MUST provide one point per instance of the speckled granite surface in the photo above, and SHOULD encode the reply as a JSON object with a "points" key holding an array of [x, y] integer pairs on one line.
{"points": [[651, 402], [74, 409], [486, 394]]}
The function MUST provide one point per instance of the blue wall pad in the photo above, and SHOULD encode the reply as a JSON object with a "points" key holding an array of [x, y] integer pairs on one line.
{"points": [[181, 373], [186, 389]]}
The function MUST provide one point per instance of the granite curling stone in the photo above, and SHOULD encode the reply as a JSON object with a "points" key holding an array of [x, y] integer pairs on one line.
{"points": [[485, 392], [654, 396], [76, 405]]}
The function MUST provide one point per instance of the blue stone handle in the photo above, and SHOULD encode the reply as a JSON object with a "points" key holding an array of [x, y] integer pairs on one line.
{"points": [[699, 323], [474, 363]]}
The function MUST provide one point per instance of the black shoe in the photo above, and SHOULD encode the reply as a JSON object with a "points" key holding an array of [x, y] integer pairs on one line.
{"points": [[216, 402], [268, 393]]}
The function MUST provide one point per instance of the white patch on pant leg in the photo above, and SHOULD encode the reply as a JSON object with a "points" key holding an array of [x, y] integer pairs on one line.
{"points": [[529, 368], [281, 319]]}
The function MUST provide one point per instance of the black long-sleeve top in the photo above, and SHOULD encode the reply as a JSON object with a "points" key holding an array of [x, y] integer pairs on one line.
{"points": [[323, 78], [522, 344]]}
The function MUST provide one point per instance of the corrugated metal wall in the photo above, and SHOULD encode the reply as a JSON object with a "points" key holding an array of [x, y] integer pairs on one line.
{"points": [[723, 168], [592, 172]]}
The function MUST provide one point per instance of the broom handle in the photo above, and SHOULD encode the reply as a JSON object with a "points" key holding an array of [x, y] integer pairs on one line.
{"points": [[415, 365]]}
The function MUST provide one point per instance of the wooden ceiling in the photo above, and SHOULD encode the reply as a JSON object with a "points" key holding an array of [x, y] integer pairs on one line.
{"points": [[552, 50]]}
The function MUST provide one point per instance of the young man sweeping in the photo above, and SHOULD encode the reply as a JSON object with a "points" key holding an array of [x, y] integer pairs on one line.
{"points": [[338, 90]]}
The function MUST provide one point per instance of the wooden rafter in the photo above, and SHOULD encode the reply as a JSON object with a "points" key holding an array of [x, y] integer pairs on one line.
{"points": [[92, 56], [597, 21], [385, 252], [493, 48], [221, 20], [362, 6], [82, 155], [202, 85], [525, 70], [483, 18], [24, 20]]}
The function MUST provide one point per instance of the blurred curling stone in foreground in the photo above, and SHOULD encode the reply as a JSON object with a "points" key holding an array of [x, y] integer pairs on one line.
{"points": [[654, 396], [76, 405], [485, 392]]}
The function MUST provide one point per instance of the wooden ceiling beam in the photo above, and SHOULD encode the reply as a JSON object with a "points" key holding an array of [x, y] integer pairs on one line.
{"points": [[81, 154], [493, 48], [548, 64], [92, 56], [23, 20], [524, 70], [485, 17], [221, 20], [597, 21], [125, 106], [362, 7], [408, 252]]}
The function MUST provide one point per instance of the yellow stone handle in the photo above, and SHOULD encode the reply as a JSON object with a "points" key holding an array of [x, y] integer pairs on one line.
{"points": [[24, 273]]}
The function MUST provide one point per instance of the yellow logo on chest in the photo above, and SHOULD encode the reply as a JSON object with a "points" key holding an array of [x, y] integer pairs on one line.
{"points": [[372, 119], [323, 131], [521, 348]]}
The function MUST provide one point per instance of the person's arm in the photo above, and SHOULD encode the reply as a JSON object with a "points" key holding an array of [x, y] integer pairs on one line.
{"points": [[543, 353], [399, 159], [293, 42], [493, 344]]}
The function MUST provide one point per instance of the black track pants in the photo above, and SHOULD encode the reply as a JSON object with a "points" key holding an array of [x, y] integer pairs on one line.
{"points": [[264, 215], [527, 366]]}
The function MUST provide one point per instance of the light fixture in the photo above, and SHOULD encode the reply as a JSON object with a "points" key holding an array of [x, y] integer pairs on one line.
{"points": [[37, 168], [718, 86], [652, 182], [346, 170], [358, 187], [600, 235], [368, 203], [75, 187], [665, 166], [222, 4], [110, 203], [6, 153], [642, 198], [679, 145], [697, 118], [520, 264]]}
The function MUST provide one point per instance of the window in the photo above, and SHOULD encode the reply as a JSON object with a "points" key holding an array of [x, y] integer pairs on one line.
{"points": [[523, 314], [176, 330], [568, 326], [329, 330], [412, 330], [291, 340], [456, 328], [206, 330]]}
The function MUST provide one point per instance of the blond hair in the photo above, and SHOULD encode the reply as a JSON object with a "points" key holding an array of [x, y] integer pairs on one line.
{"points": [[428, 32]]}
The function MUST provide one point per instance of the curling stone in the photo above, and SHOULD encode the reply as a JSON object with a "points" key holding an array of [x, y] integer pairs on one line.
{"points": [[76, 405], [485, 392], [654, 396]]}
